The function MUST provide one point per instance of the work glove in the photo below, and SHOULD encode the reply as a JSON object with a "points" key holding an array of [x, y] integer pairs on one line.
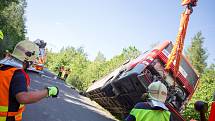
{"points": [[52, 91]]}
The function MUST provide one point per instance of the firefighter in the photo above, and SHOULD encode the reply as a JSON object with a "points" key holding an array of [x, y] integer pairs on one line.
{"points": [[61, 70], [154, 109], [66, 74], [15, 82]]}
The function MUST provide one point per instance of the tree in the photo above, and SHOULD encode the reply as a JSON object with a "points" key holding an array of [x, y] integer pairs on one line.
{"points": [[197, 54], [204, 92], [83, 71], [131, 52], [73, 59], [6, 3], [100, 57], [12, 23]]}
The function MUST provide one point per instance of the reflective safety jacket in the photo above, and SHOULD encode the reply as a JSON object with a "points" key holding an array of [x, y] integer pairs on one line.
{"points": [[150, 115], [5, 81], [145, 111]]}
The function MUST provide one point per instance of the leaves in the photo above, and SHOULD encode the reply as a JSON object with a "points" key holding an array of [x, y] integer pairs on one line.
{"points": [[6, 3], [197, 55], [84, 71], [131, 52], [12, 23], [204, 92]]}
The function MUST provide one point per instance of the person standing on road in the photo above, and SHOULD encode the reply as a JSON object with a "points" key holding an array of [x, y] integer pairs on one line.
{"points": [[14, 82], [66, 74], [61, 70], [154, 109]]}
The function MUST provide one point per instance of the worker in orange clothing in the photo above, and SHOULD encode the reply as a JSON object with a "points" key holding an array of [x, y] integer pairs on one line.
{"points": [[61, 70], [66, 74], [15, 82]]}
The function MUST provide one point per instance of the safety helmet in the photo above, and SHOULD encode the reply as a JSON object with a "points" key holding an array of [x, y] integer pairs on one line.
{"points": [[157, 91], [1, 35], [26, 51]]}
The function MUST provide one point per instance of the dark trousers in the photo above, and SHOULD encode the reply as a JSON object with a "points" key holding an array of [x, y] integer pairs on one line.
{"points": [[59, 74], [65, 76]]}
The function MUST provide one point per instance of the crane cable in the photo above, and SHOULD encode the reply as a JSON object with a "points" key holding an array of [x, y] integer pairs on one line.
{"points": [[176, 52]]}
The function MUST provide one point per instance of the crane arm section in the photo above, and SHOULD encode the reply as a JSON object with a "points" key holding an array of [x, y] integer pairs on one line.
{"points": [[176, 52]]}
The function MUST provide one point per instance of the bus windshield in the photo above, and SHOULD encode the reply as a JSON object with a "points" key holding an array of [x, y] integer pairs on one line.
{"points": [[185, 68]]}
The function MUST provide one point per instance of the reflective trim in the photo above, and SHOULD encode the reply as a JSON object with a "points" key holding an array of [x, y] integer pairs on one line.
{"points": [[3, 108], [5, 113], [2, 118], [18, 117], [21, 105]]}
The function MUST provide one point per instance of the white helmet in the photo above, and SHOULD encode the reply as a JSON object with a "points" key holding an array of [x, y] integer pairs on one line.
{"points": [[157, 91], [26, 50]]}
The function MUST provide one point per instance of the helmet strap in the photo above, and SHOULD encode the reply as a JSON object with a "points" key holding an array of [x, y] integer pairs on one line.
{"points": [[26, 64]]}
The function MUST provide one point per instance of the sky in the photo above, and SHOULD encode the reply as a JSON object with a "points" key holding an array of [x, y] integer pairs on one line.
{"points": [[111, 25]]}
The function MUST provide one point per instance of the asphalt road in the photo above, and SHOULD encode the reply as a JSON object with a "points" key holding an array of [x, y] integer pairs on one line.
{"points": [[68, 106]]}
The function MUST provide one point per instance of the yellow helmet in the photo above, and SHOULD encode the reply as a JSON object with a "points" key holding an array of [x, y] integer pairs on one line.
{"points": [[26, 50], [157, 91], [1, 35]]}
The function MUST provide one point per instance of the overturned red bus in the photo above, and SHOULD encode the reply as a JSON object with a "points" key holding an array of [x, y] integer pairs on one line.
{"points": [[119, 91]]}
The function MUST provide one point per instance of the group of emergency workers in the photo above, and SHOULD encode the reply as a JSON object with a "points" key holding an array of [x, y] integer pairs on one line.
{"points": [[15, 82], [64, 72], [15, 93]]}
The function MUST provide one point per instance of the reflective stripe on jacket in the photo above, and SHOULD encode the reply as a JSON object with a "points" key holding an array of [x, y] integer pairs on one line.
{"points": [[150, 115], [5, 81]]}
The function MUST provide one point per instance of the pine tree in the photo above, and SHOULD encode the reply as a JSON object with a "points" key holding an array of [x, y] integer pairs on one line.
{"points": [[100, 57], [131, 52], [197, 54], [12, 23]]}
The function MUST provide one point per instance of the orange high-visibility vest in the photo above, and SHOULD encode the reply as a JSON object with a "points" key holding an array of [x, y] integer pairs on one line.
{"points": [[5, 80]]}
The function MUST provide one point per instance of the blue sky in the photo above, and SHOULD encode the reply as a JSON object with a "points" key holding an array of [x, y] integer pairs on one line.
{"points": [[111, 25]]}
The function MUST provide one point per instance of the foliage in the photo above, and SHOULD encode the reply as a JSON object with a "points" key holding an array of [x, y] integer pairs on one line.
{"points": [[204, 92], [6, 3], [12, 23], [197, 54], [100, 57], [70, 58], [131, 52], [84, 71]]}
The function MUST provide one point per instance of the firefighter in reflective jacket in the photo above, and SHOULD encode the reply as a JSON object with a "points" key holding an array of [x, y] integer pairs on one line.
{"points": [[14, 82], [154, 109]]}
